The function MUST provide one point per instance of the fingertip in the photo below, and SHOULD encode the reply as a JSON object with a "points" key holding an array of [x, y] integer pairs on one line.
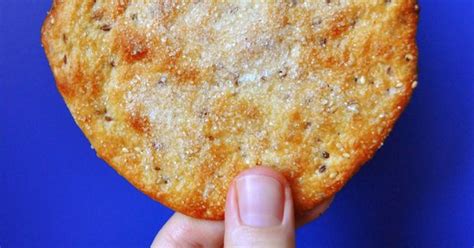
{"points": [[264, 171], [259, 209], [260, 177]]}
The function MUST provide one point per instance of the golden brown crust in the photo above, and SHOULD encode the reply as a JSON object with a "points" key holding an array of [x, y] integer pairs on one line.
{"points": [[180, 96]]}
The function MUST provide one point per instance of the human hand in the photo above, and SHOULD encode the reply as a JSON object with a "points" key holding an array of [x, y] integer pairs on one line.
{"points": [[258, 213]]}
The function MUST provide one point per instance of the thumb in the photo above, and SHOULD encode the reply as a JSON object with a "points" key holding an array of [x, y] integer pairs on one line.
{"points": [[259, 211]]}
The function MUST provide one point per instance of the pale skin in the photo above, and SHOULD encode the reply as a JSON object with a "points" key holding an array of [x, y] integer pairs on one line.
{"points": [[259, 213]]}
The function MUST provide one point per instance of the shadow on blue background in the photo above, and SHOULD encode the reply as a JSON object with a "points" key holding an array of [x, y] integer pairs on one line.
{"points": [[418, 191]]}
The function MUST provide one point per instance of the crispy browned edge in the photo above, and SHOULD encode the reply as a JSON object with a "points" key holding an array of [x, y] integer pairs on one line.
{"points": [[411, 13]]}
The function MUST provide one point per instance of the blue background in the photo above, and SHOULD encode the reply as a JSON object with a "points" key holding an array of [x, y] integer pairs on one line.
{"points": [[418, 191]]}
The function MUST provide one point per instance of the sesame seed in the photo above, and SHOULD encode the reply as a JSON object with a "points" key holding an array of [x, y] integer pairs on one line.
{"points": [[325, 154]]}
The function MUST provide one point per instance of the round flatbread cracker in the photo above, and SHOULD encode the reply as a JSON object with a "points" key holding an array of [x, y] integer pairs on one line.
{"points": [[180, 96]]}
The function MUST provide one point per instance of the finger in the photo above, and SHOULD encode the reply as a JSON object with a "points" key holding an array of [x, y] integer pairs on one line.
{"points": [[314, 213], [184, 231], [259, 211]]}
